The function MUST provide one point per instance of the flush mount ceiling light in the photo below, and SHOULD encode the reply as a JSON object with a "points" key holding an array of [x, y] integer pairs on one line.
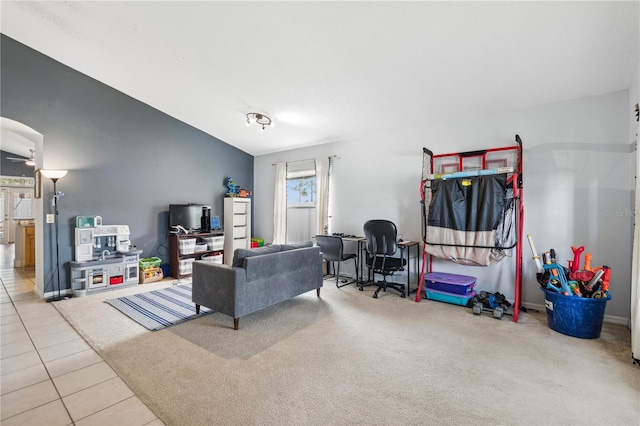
{"points": [[260, 119]]}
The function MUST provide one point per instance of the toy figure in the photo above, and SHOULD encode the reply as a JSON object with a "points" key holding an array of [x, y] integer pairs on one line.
{"points": [[233, 188]]}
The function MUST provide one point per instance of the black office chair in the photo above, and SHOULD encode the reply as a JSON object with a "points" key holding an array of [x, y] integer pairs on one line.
{"points": [[381, 247], [333, 251]]}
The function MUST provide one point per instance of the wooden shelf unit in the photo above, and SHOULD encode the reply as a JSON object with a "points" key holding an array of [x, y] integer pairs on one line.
{"points": [[175, 257]]}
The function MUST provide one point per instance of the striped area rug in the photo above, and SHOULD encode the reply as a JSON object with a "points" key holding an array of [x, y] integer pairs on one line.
{"points": [[158, 309]]}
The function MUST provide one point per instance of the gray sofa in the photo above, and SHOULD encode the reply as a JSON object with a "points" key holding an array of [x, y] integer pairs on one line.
{"points": [[257, 278]]}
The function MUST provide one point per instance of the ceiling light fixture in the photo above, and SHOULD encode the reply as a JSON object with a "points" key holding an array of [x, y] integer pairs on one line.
{"points": [[31, 161], [260, 119]]}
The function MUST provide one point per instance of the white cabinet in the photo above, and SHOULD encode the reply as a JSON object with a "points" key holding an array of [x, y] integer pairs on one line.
{"points": [[237, 226]]}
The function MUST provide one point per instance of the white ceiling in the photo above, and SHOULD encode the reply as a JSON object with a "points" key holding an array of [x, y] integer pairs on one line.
{"points": [[330, 71]]}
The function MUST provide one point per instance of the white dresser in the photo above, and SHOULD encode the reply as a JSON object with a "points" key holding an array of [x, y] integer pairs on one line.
{"points": [[237, 226]]}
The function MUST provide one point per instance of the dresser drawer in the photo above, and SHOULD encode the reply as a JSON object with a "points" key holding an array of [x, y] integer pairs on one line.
{"points": [[240, 243], [240, 208], [239, 232], [239, 220]]}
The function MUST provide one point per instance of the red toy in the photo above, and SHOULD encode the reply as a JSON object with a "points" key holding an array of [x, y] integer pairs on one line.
{"points": [[576, 257]]}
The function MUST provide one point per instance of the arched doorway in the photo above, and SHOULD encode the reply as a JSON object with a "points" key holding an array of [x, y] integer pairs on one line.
{"points": [[19, 138]]}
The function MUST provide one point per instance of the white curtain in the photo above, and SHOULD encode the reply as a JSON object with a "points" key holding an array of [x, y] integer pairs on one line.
{"points": [[322, 194], [635, 269], [280, 205]]}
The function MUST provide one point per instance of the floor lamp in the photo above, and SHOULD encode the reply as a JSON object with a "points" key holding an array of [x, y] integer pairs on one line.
{"points": [[55, 175]]}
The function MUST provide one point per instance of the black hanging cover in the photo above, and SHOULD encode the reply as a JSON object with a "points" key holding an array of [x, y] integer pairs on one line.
{"points": [[466, 217]]}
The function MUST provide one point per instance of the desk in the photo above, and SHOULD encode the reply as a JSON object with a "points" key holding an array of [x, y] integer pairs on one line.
{"points": [[405, 247]]}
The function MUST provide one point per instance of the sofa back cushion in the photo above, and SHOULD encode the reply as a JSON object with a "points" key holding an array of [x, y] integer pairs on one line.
{"points": [[285, 269], [285, 247], [240, 254]]}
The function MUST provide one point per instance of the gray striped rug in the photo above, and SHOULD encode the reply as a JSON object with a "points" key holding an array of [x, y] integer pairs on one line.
{"points": [[158, 309]]}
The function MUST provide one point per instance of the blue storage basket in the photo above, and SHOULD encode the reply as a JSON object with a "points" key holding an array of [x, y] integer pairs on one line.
{"points": [[575, 316]]}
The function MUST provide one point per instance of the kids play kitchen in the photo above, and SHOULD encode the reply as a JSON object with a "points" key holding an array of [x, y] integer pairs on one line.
{"points": [[104, 257], [575, 298]]}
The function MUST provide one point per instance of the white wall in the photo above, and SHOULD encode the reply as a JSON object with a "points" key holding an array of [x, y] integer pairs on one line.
{"points": [[576, 184]]}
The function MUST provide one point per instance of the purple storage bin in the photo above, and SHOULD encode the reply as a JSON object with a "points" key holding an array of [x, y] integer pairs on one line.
{"points": [[450, 283]]}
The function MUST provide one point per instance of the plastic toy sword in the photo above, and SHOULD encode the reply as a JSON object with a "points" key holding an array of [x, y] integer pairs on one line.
{"points": [[536, 258]]}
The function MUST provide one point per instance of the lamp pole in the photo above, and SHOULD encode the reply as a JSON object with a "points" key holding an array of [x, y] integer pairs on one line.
{"points": [[55, 204], [55, 175]]}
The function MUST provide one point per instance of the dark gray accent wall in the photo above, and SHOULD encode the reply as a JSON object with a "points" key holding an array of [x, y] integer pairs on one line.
{"points": [[127, 161]]}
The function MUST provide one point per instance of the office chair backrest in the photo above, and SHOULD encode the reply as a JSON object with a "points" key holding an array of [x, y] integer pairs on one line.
{"points": [[381, 237], [330, 246]]}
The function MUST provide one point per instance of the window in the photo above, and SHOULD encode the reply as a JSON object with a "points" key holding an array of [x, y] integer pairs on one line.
{"points": [[301, 191], [301, 201]]}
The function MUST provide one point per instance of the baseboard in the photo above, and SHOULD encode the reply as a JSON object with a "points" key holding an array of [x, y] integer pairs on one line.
{"points": [[66, 293], [612, 319]]}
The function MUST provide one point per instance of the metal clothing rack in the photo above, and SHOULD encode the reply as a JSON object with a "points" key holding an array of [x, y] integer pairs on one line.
{"points": [[464, 165]]}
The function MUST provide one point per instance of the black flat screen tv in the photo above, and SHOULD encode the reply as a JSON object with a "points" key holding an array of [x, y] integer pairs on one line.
{"points": [[186, 215]]}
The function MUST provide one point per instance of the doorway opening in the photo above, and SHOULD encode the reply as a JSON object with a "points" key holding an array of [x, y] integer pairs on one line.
{"points": [[22, 213]]}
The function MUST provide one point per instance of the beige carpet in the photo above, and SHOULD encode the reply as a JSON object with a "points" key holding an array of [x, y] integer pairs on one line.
{"points": [[347, 358]]}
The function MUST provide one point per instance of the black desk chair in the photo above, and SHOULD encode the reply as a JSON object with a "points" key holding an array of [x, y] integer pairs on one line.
{"points": [[381, 246], [333, 251]]}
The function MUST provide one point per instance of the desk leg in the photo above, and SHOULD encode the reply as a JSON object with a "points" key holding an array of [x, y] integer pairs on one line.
{"points": [[359, 266], [408, 269], [416, 259]]}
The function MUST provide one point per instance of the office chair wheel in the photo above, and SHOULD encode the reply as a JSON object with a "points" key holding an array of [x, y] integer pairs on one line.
{"points": [[402, 295], [375, 295], [360, 288]]}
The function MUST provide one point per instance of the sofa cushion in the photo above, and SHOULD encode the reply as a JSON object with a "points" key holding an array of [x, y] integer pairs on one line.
{"points": [[240, 254], [285, 247]]}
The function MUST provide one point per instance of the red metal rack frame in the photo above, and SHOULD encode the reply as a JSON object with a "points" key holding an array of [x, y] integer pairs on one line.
{"points": [[515, 179]]}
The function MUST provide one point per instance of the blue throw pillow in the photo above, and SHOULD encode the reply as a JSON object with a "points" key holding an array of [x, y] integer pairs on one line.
{"points": [[240, 254]]}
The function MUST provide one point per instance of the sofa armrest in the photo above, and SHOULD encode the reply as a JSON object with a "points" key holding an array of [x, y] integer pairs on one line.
{"points": [[219, 287]]}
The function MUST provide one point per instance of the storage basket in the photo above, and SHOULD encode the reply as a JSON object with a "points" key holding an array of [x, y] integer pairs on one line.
{"points": [[187, 245], [575, 316], [186, 266], [201, 247], [214, 243], [151, 274], [213, 258], [149, 262]]}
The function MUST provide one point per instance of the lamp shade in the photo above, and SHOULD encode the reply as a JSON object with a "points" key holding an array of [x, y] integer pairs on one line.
{"points": [[53, 174]]}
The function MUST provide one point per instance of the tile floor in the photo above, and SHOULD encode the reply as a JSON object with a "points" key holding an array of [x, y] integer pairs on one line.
{"points": [[49, 374]]}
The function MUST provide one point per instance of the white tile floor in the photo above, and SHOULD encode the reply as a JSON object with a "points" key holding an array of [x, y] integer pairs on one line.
{"points": [[49, 374]]}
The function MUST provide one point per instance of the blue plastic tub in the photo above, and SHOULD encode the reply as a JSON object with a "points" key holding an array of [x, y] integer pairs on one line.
{"points": [[575, 316], [442, 296]]}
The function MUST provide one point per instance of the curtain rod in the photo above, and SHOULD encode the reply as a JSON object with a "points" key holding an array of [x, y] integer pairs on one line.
{"points": [[308, 159]]}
